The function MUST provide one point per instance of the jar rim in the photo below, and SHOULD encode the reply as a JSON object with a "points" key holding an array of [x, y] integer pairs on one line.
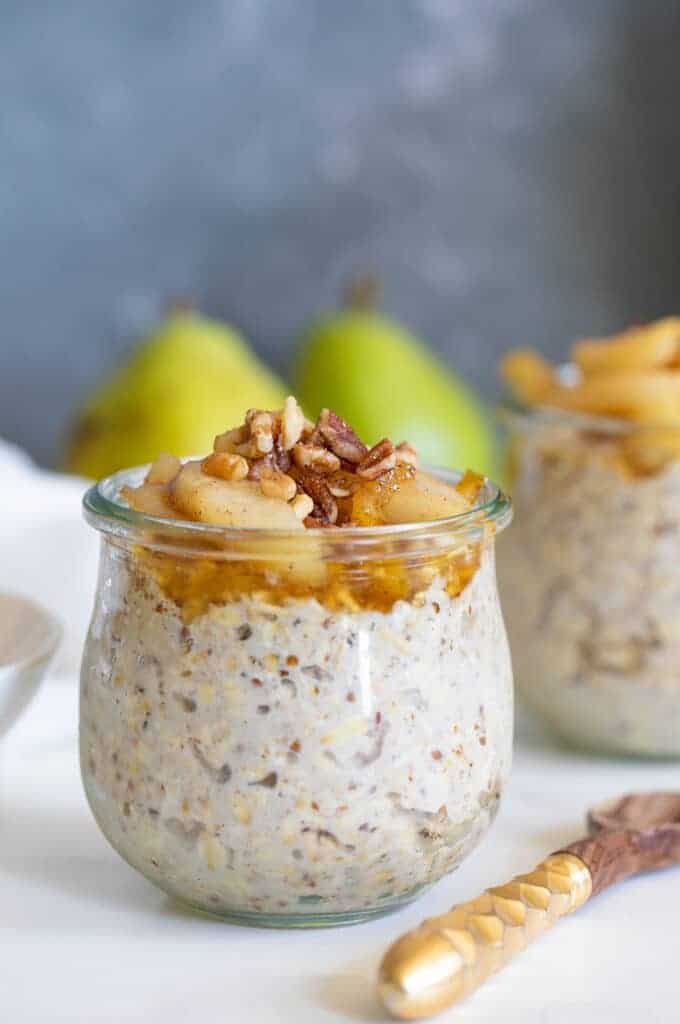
{"points": [[106, 511]]}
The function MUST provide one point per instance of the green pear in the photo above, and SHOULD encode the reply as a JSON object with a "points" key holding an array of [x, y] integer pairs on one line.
{"points": [[385, 382], [188, 381]]}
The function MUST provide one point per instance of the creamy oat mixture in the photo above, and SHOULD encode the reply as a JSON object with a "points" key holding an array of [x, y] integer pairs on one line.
{"points": [[590, 571], [321, 738], [277, 757]]}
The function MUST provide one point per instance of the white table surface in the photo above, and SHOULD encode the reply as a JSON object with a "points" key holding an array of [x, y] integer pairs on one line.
{"points": [[84, 939]]}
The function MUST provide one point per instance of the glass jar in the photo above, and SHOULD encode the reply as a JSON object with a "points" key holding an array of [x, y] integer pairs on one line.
{"points": [[295, 728], [590, 578]]}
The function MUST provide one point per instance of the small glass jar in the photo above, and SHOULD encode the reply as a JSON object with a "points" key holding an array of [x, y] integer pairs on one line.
{"points": [[295, 728], [590, 578]]}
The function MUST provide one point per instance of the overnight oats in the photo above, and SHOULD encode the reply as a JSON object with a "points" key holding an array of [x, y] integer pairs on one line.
{"points": [[591, 569], [296, 701]]}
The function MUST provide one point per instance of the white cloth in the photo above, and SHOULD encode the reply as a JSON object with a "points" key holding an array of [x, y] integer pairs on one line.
{"points": [[85, 940]]}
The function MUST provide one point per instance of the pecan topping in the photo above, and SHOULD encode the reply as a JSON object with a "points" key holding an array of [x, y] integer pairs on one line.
{"points": [[340, 437], [323, 471], [261, 426], [259, 466], [308, 430], [226, 466], [406, 454], [381, 458], [342, 483], [302, 506], [325, 505], [281, 455], [292, 423], [315, 457], [275, 484]]}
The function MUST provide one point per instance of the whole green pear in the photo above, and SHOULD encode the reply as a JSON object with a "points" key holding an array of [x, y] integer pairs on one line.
{"points": [[190, 379], [385, 382]]}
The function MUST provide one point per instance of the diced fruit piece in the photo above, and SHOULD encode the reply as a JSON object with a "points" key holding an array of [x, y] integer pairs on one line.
{"points": [[652, 396], [241, 503], [405, 496], [529, 375], [638, 348], [151, 499], [469, 485], [422, 497], [164, 469], [369, 497]]}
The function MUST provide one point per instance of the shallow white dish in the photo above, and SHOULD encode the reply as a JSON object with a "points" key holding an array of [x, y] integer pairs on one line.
{"points": [[29, 637]]}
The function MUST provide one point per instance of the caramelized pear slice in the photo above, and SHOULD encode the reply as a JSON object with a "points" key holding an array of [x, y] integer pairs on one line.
{"points": [[151, 499], [404, 496], [423, 497], [241, 503]]}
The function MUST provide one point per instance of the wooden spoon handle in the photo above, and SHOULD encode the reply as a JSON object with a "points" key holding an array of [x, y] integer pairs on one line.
{"points": [[447, 957], [612, 856]]}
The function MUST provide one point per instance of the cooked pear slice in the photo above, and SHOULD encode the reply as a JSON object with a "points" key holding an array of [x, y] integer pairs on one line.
{"points": [[150, 498], [423, 497], [639, 348], [206, 499], [163, 470]]}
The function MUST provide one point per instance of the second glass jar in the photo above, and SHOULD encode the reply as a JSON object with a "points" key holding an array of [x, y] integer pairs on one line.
{"points": [[590, 579]]}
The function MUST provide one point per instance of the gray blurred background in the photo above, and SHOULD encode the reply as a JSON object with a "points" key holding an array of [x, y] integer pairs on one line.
{"points": [[510, 168]]}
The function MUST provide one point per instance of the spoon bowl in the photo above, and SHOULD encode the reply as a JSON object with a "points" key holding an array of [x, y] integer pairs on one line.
{"points": [[637, 812]]}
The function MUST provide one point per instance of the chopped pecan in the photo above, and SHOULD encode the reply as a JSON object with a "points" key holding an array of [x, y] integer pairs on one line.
{"points": [[325, 505], [379, 460], [340, 437], [406, 454], [308, 430], [282, 457], [261, 425], [316, 457], [259, 466], [275, 484], [225, 466], [302, 505], [338, 491], [292, 423], [342, 484]]}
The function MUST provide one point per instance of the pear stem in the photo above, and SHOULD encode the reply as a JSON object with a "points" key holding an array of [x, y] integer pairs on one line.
{"points": [[362, 293]]}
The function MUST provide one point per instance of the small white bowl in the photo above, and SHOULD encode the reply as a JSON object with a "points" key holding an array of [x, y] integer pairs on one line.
{"points": [[29, 637]]}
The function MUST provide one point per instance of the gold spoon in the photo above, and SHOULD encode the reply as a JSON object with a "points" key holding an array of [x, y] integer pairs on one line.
{"points": [[449, 956]]}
